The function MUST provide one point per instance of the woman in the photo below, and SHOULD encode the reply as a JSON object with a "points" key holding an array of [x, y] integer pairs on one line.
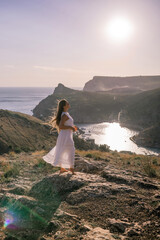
{"points": [[63, 153]]}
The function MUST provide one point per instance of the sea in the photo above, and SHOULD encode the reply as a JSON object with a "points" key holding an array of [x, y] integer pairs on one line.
{"points": [[24, 99]]}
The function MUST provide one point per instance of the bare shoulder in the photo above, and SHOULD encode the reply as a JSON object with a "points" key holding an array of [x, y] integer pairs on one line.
{"points": [[64, 116]]}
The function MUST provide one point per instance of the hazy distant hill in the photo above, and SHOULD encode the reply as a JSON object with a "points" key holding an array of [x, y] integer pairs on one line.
{"points": [[22, 132], [86, 107], [124, 85]]}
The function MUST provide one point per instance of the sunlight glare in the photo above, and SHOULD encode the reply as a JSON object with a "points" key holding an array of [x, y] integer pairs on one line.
{"points": [[119, 29]]}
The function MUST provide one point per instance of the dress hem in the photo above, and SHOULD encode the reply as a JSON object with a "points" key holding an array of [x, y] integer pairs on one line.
{"points": [[59, 164]]}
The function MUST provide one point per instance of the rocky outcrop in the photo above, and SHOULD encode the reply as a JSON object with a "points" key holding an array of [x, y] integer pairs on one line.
{"points": [[111, 203], [62, 89], [142, 110], [137, 111], [86, 107], [130, 84], [22, 132], [142, 113], [149, 137]]}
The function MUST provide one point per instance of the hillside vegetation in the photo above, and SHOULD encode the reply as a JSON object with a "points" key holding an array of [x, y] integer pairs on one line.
{"points": [[22, 132], [142, 109], [86, 107]]}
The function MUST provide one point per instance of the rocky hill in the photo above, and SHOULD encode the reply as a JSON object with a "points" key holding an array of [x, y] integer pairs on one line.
{"points": [[142, 112], [86, 107], [137, 111], [142, 109], [149, 137], [109, 197], [130, 84], [22, 132]]}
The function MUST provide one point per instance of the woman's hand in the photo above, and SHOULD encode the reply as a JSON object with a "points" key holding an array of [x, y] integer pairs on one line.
{"points": [[74, 128]]}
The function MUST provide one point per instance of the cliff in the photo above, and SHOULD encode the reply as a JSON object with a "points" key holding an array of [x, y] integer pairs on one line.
{"points": [[142, 109], [127, 85], [86, 107], [149, 137]]}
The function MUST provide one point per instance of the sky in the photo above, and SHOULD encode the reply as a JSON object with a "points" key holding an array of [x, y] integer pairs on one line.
{"points": [[46, 42]]}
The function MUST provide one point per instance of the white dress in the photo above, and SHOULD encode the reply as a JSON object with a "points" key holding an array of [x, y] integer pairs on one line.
{"points": [[63, 153]]}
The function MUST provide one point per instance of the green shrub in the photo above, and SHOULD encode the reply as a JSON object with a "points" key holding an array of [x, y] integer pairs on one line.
{"points": [[89, 155], [40, 163], [104, 148], [155, 162], [149, 170], [26, 149], [17, 149], [12, 172]]}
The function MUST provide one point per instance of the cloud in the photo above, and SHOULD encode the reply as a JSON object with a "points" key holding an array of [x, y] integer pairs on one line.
{"points": [[71, 70]]}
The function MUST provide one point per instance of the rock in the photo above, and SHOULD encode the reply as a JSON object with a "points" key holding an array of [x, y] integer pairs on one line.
{"points": [[118, 225], [85, 113], [149, 137], [85, 228], [94, 190], [117, 177], [132, 232], [156, 211], [98, 233], [146, 223], [27, 201], [147, 185], [88, 166], [52, 226], [106, 83], [157, 196], [17, 190], [59, 235], [60, 184], [124, 177]]}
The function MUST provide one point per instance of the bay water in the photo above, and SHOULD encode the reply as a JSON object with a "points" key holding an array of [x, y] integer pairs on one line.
{"points": [[24, 99]]}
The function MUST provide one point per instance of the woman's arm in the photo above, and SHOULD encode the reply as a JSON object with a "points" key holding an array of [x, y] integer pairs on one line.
{"points": [[61, 124]]}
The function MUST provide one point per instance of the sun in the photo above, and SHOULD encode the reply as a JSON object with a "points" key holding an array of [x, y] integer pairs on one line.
{"points": [[119, 29]]}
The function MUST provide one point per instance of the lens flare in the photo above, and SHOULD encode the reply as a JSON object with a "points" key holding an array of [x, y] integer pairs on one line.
{"points": [[15, 213]]}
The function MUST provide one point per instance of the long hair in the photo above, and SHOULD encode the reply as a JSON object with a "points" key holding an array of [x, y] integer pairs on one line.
{"points": [[56, 118]]}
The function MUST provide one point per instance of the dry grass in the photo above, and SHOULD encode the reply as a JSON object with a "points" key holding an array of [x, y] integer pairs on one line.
{"points": [[38, 153], [8, 171], [11, 163], [149, 165]]}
